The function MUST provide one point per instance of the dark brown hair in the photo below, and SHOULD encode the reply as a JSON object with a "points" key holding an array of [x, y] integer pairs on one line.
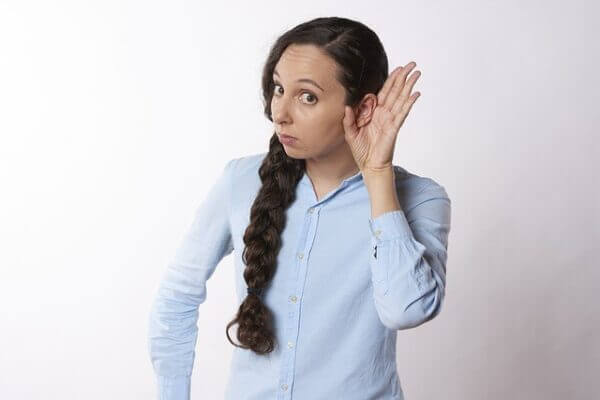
{"points": [[362, 68]]}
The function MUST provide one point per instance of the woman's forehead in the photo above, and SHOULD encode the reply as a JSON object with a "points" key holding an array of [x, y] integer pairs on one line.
{"points": [[306, 62]]}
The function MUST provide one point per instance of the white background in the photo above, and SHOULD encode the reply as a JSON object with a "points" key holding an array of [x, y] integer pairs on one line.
{"points": [[117, 116]]}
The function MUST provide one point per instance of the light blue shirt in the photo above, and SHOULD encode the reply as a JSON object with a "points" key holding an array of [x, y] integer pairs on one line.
{"points": [[344, 285]]}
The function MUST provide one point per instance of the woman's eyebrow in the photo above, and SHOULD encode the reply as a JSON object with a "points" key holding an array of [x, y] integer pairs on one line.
{"points": [[303, 80]]}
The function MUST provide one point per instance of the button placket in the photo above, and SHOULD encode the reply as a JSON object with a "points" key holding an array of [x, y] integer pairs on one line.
{"points": [[379, 261], [292, 329], [377, 233]]}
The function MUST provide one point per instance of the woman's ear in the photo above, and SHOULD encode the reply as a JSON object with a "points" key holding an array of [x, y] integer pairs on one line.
{"points": [[364, 110]]}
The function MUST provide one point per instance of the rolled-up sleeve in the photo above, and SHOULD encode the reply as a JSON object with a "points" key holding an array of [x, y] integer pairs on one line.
{"points": [[408, 260], [173, 318]]}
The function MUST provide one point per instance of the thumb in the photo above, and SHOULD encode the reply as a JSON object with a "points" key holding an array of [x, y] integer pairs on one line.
{"points": [[349, 122]]}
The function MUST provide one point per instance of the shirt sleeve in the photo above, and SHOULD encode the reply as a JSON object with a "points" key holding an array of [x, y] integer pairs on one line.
{"points": [[408, 260], [173, 317]]}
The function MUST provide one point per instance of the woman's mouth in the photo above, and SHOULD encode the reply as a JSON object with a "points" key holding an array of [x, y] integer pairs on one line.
{"points": [[286, 139]]}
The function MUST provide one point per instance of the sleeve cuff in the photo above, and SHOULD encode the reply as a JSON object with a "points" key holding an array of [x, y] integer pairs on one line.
{"points": [[174, 387], [390, 225]]}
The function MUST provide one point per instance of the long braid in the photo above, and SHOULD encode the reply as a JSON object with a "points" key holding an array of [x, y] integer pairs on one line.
{"points": [[279, 175]]}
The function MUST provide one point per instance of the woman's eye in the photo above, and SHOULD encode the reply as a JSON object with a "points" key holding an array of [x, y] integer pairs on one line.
{"points": [[310, 95], [311, 98]]}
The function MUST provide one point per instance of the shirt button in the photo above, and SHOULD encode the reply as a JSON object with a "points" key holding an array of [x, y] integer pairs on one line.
{"points": [[311, 210], [293, 298], [290, 345], [284, 386], [377, 232], [300, 255]]}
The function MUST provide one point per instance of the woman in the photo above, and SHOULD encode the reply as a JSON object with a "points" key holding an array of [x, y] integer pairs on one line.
{"points": [[336, 247]]}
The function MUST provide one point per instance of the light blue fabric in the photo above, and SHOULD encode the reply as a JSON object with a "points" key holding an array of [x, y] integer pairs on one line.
{"points": [[343, 287]]}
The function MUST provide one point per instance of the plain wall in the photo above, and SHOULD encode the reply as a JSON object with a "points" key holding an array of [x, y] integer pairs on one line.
{"points": [[117, 116]]}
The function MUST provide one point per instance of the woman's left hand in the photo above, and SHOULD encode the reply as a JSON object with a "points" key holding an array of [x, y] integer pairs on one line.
{"points": [[372, 144]]}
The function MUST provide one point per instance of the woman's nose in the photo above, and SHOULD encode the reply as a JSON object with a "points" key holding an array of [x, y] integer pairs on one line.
{"points": [[279, 111]]}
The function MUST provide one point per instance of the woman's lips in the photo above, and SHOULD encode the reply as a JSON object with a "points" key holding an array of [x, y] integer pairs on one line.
{"points": [[288, 140]]}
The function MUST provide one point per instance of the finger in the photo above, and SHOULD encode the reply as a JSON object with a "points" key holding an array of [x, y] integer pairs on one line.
{"points": [[406, 107], [397, 87], [406, 90], [387, 85]]}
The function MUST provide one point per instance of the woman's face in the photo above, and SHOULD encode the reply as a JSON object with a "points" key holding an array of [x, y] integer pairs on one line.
{"points": [[311, 112]]}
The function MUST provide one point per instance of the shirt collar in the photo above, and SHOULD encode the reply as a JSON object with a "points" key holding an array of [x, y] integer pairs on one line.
{"points": [[356, 177]]}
